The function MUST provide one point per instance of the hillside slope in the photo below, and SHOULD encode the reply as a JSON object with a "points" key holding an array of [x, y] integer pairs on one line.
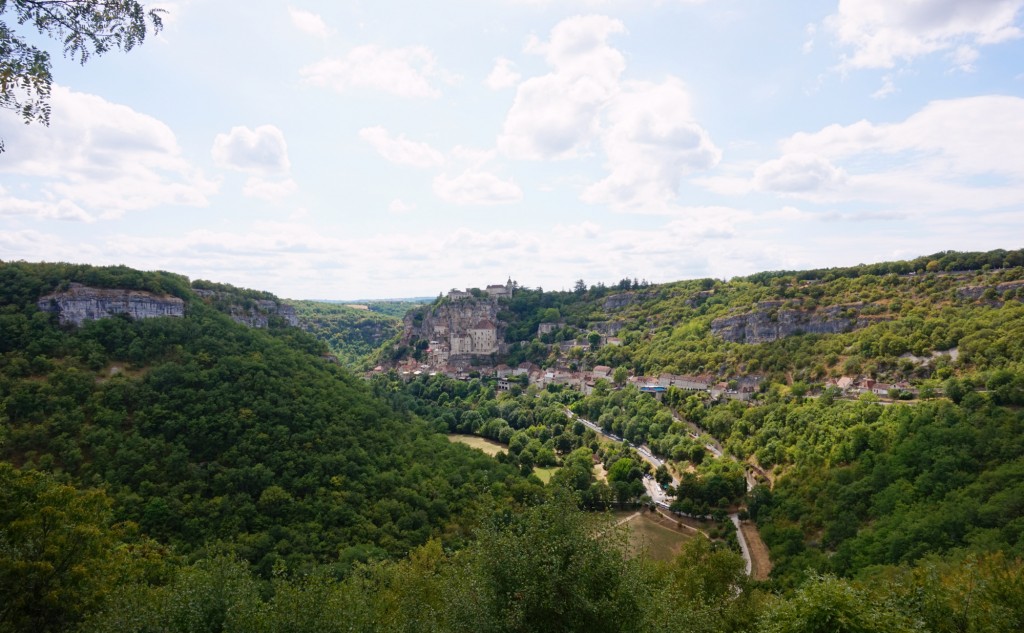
{"points": [[202, 429]]}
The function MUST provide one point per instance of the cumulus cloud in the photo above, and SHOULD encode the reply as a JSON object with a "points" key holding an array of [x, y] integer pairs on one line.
{"points": [[798, 173], [263, 154], [309, 22], [260, 151], [101, 159], [883, 33], [405, 72], [476, 187], [556, 115], [650, 142], [400, 150], [953, 154], [42, 209], [503, 75]]}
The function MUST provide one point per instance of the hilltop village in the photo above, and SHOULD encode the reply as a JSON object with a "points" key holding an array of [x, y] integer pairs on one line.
{"points": [[462, 336]]}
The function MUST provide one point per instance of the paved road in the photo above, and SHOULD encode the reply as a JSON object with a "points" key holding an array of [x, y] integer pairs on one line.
{"points": [[748, 562], [658, 495], [643, 451]]}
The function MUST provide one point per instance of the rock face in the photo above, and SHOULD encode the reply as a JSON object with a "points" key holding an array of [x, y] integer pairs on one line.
{"points": [[769, 322], [620, 301], [974, 293], [255, 313], [79, 304], [457, 330]]}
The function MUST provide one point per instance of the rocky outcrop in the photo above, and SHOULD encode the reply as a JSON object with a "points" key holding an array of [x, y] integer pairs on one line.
{"points": [[457, 330], [973, 293], [622, 300], [80, 303], [259, 315], [253, 313], [770, 322]]}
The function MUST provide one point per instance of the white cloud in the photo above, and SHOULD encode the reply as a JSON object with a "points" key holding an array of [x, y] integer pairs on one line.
{"points": [[42, 209], [405, 72], [883, 33], [101, 159], [400, 150], [963, 58], [954, 154], [650, 142], [261, 151], [266, 189], [503, 75], [475, 187], [808, 46], [888, 87], [400, 207], [308, 22], [556, 115], [798, 173]]}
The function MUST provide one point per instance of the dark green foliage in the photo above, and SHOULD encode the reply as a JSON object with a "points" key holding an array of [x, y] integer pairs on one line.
{"points": [[890, 485], [352, 335], [204, 430]]}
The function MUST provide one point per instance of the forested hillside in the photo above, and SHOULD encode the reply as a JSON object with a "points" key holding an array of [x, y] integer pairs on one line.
{"points": [[190, 473], [890, 321], [206, 434], [352, 335]]}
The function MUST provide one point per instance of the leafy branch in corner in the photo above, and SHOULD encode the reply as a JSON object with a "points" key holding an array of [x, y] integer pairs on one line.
{"points": [[86, 28]]}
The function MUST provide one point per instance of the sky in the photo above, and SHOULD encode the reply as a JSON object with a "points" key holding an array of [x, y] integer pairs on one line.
{"points": [[381, 149]]}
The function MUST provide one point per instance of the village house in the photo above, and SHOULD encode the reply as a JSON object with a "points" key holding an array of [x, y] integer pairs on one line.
{"points": [[525, 368], [549, 327]]}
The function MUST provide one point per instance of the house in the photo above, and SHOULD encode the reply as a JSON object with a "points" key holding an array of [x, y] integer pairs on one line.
{"points": [[691, 383], [499, 291], [503, 371], [525, 368], [458, 294], [601, 371]]}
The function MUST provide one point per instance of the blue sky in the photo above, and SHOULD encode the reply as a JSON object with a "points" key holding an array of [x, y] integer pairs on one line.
{"points": [[345, 150]]}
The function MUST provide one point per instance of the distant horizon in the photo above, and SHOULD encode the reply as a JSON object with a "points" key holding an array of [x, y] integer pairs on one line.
{"points": [[400, 149]]}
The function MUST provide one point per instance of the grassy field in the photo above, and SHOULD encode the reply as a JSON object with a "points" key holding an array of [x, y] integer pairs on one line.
{"points": [[660, 535], [545, 474], [490, 447]]}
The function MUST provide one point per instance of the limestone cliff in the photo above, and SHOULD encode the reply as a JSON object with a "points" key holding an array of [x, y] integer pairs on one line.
{"points": [[457, 329], [255, 313], [80, 303], [770, 322]]}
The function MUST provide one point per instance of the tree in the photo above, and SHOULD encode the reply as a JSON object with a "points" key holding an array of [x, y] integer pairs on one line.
{"points": [[58, 551], [620, 376], [86, 27]]}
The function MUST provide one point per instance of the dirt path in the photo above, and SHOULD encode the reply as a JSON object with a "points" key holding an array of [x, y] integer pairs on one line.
{"points": [[627, 519], [680, 522], [761, 563]]}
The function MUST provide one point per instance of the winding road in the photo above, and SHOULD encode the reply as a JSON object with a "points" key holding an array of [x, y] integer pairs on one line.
{"points": [[658, 495]]}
